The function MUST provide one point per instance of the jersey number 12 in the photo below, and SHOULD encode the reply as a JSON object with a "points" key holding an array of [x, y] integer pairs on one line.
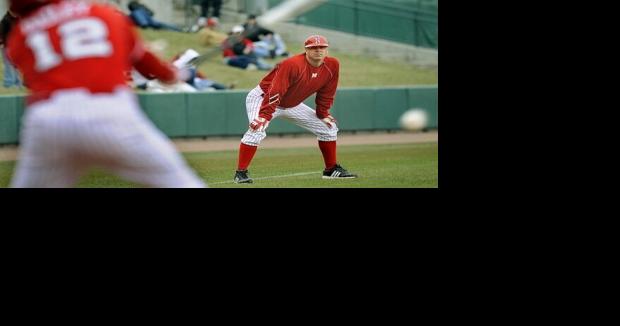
{"points": [[82, 38]]}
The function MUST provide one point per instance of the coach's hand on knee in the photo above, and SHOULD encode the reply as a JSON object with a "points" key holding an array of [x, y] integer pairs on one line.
{"points": [[259, 124], [329, 121]]}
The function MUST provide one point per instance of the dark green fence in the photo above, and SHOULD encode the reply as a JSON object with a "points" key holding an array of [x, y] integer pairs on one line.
{"points": [[223, 113], [11, 111], [407, 21]]}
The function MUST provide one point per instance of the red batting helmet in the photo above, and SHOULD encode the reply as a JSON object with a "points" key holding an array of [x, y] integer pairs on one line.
{"points": [[315, 40], [23, 7]]}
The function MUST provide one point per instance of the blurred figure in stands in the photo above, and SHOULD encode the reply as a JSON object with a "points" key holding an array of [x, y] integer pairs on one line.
{"points": [[266, 42], [214, 5], [238, 51], [210, 36], [11, 76], [143, 17], [197, 79]]}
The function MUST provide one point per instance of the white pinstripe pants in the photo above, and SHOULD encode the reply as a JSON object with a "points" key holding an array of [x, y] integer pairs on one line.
{"points": [[301, 115], [74, 130]]}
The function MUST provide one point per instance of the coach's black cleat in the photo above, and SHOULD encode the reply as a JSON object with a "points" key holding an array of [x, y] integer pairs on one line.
{"points": [[241, 176], [338, 172]]}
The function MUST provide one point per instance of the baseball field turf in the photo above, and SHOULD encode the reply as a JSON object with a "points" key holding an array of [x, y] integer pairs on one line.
{"points": [[379, 166]]}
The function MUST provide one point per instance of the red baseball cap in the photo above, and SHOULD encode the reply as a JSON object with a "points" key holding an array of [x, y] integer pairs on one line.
{"points": [[316, 40], [212, 21]]}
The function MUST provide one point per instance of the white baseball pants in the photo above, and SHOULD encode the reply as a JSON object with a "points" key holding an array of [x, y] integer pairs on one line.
{"points": [[301, 115], [74, 130]]}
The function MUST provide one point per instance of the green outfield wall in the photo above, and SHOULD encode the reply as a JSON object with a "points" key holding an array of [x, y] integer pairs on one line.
{"points": [[222, 113]]}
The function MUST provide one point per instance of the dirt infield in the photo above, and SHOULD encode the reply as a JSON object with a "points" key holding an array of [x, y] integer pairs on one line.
{"points": [[9, 153]]}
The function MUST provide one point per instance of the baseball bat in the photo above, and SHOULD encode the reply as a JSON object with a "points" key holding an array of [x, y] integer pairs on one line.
{"points": [[287, 10], [197, 61]]}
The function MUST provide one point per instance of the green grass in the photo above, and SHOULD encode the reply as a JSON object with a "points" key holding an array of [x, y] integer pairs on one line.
{"points": [[355, 71], [379, 166]]}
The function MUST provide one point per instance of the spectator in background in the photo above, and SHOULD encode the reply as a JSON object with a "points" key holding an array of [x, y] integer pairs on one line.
{"points": [[266, 42], [238, 51], [204, 14], [11, 76], [143, 16], [196, 79], [211, 36], [205, 5]]}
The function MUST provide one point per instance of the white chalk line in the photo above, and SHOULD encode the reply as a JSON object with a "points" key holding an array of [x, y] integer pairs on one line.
{"points": [[270, 177]]}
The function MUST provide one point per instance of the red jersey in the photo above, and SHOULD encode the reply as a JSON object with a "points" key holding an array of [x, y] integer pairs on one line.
{"points": [[77, 44], [294, 80]]}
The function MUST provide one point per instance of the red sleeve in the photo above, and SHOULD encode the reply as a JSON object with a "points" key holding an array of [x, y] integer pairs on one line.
{"points": [[135, 44], [325, 96], [279, 85], [152, 67]]}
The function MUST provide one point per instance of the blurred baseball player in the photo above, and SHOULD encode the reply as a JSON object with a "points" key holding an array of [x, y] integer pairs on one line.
{"points": [[74, 56], [281, 94]]}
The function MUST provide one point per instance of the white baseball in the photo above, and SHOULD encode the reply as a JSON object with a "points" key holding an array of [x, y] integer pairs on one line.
{"points": [[414, 120]]}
